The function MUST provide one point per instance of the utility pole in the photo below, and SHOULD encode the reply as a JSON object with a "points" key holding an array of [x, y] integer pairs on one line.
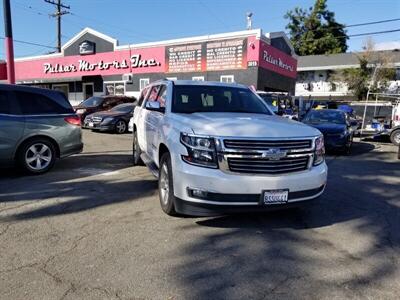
{"points": [[58, 14], [9, 42]]}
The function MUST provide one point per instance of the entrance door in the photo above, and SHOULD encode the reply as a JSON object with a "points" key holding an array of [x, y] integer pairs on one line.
{"points": [[88, 90]]}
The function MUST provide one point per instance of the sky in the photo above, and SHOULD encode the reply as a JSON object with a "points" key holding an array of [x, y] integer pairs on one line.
{"points": [[136, 21]]}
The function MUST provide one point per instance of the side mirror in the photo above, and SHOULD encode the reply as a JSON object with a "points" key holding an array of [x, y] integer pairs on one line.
{"points": [[154, 106]]}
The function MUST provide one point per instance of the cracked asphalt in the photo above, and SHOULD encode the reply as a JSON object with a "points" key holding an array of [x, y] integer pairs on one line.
{"points": [[92, 228]]}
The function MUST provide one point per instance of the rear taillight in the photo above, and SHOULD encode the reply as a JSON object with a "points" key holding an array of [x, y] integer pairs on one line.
{"points": [[73, 120]]}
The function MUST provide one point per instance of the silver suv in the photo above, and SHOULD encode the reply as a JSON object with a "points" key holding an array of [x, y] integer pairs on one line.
{"points": [[37, 126]]}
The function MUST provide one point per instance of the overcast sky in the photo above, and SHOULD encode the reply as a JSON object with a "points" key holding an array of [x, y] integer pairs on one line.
{"points": [[134, 21]]}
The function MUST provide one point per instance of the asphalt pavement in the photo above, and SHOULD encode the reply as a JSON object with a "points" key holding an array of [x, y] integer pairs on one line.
{"points": [[92, 228]]}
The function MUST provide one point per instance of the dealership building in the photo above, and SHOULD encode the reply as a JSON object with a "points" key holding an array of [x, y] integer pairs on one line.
{"points": [[92, 63]]}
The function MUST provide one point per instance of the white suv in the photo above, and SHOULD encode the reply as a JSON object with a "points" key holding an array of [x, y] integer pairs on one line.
{"points": [[217, 148]]}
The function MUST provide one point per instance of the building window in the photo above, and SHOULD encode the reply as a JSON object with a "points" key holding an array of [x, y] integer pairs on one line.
{"points": [[114, 88], [64, 88], [172, 78], [227, 78], [198, 78], [143, 83]]}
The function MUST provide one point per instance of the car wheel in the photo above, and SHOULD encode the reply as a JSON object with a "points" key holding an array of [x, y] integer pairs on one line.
{"points": [[165, 185], [37, 156], [395, 137], [120, 127], [136, 151]]}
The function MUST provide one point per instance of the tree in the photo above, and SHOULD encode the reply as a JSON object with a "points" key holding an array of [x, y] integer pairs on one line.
{"points": [[375, 71], [315, 31]]}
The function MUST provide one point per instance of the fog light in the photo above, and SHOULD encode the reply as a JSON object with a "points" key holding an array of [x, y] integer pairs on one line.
{"points": [[196, 193]]}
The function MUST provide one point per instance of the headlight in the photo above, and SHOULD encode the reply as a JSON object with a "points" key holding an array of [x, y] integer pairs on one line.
{"points": [[319, 154], [201, 150]]}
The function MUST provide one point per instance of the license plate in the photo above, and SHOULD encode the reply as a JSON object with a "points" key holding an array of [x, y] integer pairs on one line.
{"points": [[272, 197], [91, 124]]}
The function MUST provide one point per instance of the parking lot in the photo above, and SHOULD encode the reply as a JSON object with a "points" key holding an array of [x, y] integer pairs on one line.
{"points": [[92, 228]]}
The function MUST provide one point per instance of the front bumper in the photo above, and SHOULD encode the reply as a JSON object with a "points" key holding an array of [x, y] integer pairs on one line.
{"points": [[226, 191], [332, 143], [99, 126]]}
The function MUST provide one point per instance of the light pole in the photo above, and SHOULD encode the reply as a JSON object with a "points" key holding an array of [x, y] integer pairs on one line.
{"points": [[9, 42]]}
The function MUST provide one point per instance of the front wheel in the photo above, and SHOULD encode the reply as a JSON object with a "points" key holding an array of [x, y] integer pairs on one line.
{"points": [[120, 127], [165, 185], [37, 156], [395, 137]]}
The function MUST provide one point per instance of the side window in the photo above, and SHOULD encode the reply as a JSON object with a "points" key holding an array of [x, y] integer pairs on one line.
{"points": [[162, 96], [5, 104], [142, 96], [33, 104], [153, 93]]}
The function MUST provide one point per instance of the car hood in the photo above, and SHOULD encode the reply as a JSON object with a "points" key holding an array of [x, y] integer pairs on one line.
{"points": [[108, 113], [244, 125], [329, 127]]}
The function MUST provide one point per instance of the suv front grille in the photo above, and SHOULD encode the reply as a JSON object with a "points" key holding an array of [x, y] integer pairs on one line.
{"points": [[268, 144], [266, 166]]}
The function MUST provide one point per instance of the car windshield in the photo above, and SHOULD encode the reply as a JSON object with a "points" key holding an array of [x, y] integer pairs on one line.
{"points": [[203, 98], [325, 116], [125, 108], [92, 101], [269, 101]]}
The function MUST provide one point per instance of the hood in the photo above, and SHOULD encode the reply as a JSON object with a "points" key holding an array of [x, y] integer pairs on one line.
{"points": [[330, 128], [108, 113], [244, 125]]}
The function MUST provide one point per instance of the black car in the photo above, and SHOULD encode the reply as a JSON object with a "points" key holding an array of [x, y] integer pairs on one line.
{"points": [[100, 103], [336, 127], [116, 119]]}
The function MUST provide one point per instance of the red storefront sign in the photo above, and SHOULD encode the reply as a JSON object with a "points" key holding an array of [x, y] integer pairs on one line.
{"points": [[228, 54], [275, 60]]}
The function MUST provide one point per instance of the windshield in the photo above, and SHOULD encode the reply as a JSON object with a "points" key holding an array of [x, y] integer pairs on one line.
{"points": [[325, 116], [92, 101], [125, 108], [191, 99]]}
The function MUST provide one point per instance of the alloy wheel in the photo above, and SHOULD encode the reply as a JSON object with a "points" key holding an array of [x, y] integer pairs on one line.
{"points": [[164, 184], [38, 156], [120, 126]]}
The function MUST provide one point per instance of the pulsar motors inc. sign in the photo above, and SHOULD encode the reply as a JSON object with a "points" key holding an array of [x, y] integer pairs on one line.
{"points": [[136, 61]]}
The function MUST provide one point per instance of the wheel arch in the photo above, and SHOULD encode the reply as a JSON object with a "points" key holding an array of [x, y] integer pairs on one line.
{"points": [[162, 149]]}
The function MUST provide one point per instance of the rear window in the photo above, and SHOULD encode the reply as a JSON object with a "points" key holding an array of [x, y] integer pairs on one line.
{"points": [[35, 103]]}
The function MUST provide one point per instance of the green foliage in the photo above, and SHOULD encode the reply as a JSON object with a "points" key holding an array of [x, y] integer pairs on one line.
{"points": [[315, 30]]}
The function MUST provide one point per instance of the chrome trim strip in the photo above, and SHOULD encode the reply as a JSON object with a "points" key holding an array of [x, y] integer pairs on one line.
{"points": [[250, 203]]}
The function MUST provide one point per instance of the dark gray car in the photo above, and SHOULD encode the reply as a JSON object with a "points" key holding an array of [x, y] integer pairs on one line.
{"points": [[37, 126]]}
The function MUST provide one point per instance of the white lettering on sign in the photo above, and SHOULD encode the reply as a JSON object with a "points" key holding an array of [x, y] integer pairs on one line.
{"points": [[276, 61], [58, 68], [137, 62]]}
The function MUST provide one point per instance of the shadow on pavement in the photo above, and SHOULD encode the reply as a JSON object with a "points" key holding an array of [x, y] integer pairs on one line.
{"points": [[345, 245]]}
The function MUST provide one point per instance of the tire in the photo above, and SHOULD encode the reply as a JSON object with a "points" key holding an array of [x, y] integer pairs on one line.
{"points": [[166, 186], [121, 127], [136, 151], [36, 156], [395, 137]]}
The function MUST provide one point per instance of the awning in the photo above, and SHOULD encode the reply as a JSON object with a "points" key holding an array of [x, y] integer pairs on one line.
{"points": [[50, 80]]}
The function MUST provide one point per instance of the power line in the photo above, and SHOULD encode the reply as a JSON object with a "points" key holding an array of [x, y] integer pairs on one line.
{"points": [[30, 43], [376, 32]]}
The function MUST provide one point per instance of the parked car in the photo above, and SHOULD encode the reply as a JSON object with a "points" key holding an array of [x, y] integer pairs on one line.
{"points": [[116, 119], [217, 148], [37, 126], [100, 103], [335, 125]]}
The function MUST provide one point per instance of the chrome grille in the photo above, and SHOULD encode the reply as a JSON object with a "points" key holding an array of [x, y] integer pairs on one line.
{"points": [[265, 166], [268, 144], [96, 119]]}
